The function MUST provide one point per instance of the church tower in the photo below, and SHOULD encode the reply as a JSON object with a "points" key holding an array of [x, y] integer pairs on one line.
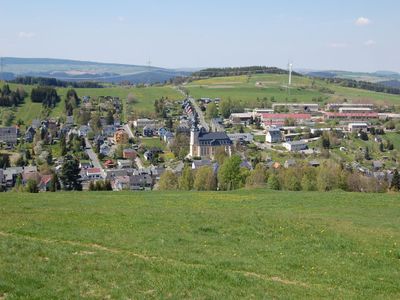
{"points": [[194, 141]]}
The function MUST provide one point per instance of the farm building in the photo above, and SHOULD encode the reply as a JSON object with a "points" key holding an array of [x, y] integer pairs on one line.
{"points": [[240, 118], [337, 106], [350, 117], [296, 107], [280, 119]]}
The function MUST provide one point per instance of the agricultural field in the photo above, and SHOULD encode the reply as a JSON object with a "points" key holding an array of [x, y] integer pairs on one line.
{"points": [[211, 245], [248, 89]]}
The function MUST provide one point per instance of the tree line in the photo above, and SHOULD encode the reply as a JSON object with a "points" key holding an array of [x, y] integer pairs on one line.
{"points": [[44, 81], [9, 98], [236, 71], [370, 86], [302, 177], [46, 95]]}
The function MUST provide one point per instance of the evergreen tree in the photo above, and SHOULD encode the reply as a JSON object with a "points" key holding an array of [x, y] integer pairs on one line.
{"points": [[54, 183], [395, 186], [366, 154], [63, 145], [4, 161], [326, 144], [70, 174], [110, 118], [381, 147]]}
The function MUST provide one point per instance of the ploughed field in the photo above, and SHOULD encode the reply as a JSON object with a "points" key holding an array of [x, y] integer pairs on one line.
{"points": [[220, 245]]}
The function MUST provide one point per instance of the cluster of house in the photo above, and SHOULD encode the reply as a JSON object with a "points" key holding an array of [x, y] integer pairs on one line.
{"points": [[276, 120], [8, 177]]}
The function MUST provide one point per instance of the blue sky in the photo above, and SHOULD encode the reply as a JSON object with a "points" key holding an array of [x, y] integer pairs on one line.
{"points": [[348, 35]]}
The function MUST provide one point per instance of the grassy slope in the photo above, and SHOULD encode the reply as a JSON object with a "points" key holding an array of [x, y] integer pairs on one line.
{"points": [[199, 245], [146, 96], [245, 89]]}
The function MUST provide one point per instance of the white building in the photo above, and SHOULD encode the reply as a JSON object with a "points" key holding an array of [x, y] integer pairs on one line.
{"points": [[94, 173], [144, 122], [354, 127], [273, 136], [295, 146], [355, 109]]}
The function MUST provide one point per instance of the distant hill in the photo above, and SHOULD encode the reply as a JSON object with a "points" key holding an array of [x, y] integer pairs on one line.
{"points": [[384, 77], [73, 70]]}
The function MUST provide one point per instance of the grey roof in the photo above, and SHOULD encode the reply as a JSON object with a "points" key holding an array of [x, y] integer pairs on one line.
{"points": [[214, 138], [140, 180], [274, 132], [8, 134], [112, 173], [296, 143], [201, 163]]}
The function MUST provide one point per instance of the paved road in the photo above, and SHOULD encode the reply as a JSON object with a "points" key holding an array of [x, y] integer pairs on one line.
{"points": [[200, 114], [92, 155], [129, 130], [138, 161]]}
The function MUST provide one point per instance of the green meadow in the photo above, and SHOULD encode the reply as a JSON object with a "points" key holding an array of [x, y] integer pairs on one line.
{"points": [[212, 245], [248, 88]]}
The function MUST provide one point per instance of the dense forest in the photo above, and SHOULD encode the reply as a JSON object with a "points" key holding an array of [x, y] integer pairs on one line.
{"points": [[43, 81], [11, 98], [46, 95], [376, 87], [221, 72]]}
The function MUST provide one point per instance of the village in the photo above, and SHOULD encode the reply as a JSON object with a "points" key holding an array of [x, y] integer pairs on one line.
{"points": [[135, 154]]}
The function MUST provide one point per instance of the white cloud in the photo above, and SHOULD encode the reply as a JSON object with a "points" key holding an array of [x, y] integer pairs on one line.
{"points": [[338, 45], [26, 35], [362, 21], [370, 43], [121, 19]]}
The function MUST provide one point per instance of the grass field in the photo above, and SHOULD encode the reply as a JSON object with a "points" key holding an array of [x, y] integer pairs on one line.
{"points": [[248, 89], [245, 244]]}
